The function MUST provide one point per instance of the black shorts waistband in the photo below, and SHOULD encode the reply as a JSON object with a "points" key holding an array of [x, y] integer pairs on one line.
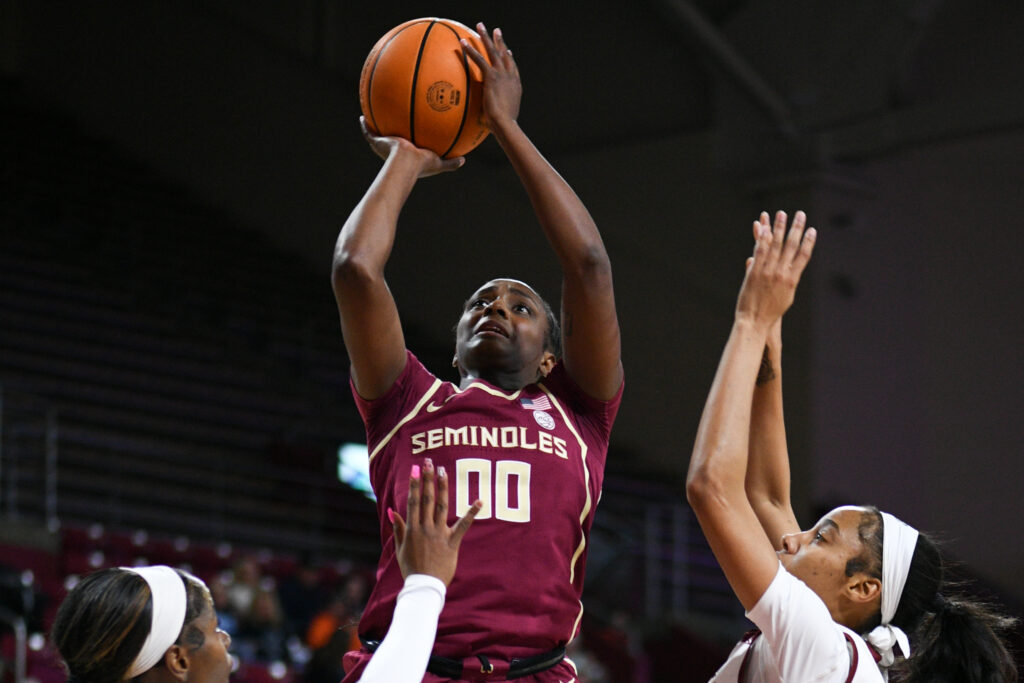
{"points": [[481, 667]]}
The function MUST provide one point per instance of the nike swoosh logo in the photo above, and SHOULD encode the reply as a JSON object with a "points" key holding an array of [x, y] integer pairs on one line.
{"points": [[431, 407]]}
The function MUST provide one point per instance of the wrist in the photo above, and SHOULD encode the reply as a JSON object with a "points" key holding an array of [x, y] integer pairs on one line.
{"points": [[501, 129], [406, 161], [750, 326]]}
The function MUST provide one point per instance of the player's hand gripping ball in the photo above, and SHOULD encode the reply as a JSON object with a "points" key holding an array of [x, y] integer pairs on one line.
{"points": [[418, 84]]}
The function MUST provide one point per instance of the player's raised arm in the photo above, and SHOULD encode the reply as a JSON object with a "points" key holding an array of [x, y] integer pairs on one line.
{"points": [[590, 326], [715, 484], [369, 317], [768, 478]]}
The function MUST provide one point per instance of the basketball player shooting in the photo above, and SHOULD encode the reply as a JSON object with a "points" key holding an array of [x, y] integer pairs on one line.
{"points": [[525, 428]]}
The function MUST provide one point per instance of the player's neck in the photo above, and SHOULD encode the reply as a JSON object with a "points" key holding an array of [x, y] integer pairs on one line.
{"points": [[509, 382]]}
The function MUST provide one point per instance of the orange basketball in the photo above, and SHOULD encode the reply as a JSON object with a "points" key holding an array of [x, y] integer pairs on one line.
{"points": [[418, 84]]}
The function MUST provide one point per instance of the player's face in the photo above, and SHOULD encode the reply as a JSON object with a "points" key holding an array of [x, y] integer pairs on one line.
{"points": [[819, 555], [210, 663], [503, 327]]}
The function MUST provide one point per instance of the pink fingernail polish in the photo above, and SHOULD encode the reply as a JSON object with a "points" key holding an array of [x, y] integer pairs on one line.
{"points": [[428, 464], [391, 515], [440, 472], [415, 471]]}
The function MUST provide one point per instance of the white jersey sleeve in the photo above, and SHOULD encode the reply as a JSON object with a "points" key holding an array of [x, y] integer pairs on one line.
{"points": [[403, 654], [799, 641]]}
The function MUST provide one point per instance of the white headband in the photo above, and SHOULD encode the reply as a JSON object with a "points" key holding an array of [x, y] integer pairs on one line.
{"points": [[898, 543], [169, 601]]}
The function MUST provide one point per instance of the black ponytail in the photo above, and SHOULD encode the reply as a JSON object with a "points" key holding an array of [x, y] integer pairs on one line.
{"points": [[954, 640]]}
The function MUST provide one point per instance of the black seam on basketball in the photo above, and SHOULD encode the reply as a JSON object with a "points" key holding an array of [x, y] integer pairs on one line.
{"points": [[465, 102], [415, 79], [376, 61]]}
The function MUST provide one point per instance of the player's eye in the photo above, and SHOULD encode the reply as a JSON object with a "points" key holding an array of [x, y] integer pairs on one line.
{"points": [[523, 308], [478, 303]]}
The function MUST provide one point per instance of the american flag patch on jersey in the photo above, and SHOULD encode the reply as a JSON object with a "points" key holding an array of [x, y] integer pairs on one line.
{"points": [[539, 403]]}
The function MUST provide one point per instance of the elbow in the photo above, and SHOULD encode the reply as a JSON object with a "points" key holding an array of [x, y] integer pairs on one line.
{"points": [[703, 489], [351, 273], [592, 263]]}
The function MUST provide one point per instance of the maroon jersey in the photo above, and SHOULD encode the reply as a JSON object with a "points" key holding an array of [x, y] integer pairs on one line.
{"points": [[535, 458]]}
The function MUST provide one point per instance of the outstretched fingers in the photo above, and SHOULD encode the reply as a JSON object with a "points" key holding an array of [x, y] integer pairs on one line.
{"points": [[798, 246], [491, 44], [796, 232], [424, 543], [762, 223], [462, 524], [475, 55], [441, 506], [770, 240], [504, 52], [427, 504], [774, 270], [427, 509], [803, 254], [763, 237], [775, 246], [779, 230], [498, 54], [413, 502], [397, 525]]}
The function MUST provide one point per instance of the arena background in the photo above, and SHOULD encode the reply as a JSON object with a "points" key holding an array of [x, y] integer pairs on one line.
{"points": [[897, 125]]}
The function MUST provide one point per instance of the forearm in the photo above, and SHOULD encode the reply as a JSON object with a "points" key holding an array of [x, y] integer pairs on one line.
{"points": [[403, 654], [768, 478], [590, 329], [565, 220], [768, 466], [368, 235], [718, 465]]}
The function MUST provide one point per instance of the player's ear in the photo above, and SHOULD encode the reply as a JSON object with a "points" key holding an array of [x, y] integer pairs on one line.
{"points": [[455, 364], [861, 588], [177, 662], [547, 363]]}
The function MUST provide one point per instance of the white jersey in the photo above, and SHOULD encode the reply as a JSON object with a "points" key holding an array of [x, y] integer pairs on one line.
{"points": [[799, 642]]}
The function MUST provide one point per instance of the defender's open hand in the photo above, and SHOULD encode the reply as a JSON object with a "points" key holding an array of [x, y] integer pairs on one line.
{"points": [[774, 272], [424, 542]]}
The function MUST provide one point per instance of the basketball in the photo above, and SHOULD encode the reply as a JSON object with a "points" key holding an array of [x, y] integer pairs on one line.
{"points": [[418, 84]]}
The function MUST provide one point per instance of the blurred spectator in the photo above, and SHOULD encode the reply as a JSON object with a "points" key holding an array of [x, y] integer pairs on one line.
{"points": [[329, 621], [618, 644], [227, 619], [354, 592], [325, 664], [332, 632], [245, 584], [262, 634], [302, 597], [588, 668]]}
